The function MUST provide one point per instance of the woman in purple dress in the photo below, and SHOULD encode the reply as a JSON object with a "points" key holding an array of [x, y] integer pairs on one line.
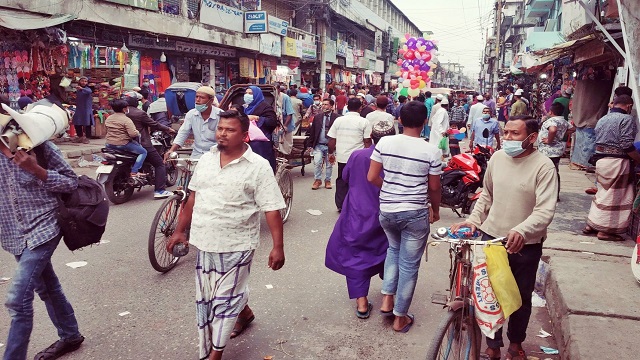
{"points": [[358, 245]]}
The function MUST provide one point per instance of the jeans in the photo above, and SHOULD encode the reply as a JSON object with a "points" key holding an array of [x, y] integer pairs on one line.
{"points": [[321, 152], [35, 273], [157, 162], [342, 187], [135, 148], [524, 266], [407, 232]]}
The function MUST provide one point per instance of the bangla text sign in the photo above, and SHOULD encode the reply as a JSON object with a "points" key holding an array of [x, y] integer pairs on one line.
{"points": [[255, 22], [222, 16]]}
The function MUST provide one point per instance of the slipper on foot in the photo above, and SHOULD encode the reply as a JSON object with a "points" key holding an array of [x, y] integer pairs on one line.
{"points": [[386, 313], [243, 323], [366, 314], [407, 327]]}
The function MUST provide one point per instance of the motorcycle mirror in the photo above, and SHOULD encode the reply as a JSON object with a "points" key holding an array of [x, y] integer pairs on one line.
{"points": [[485, 133]]}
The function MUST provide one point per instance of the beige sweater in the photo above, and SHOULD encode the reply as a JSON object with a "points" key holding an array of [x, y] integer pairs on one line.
{"points": [[518, 194], [120, 129]]}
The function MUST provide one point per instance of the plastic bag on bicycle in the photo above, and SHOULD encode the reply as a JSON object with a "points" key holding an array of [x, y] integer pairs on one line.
{"points": [[502, 280], [488, 312]]}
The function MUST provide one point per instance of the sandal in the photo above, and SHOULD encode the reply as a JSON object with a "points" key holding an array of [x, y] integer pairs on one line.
{"points": [[609, 237], [515, 355], [588, 230], [366, 314], [241, 325], [485, 356], [407, 327]]}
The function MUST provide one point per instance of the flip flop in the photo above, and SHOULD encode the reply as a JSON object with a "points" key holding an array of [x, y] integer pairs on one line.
{"points": [[387, 313], [588, 230], [243, 326], [407, 327], [515, 355], [611, 237], [366, 314]]}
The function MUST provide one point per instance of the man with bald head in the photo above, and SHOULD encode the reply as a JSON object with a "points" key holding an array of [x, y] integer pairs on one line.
{"points": [[201, 122]]}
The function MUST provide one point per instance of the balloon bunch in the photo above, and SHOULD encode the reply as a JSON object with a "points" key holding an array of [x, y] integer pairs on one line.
{"points": [[417, 60]]}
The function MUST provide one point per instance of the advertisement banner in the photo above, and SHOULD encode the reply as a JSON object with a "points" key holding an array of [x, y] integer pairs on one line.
{"points": [[290, 47], [278, 26], [309, 49], [255, 22], [271, 44], [149, 42], [205, 49], [350, 63], [341, 48], [378, 43], [330, 51], [379, 66], [370, 55], [222, 16]]}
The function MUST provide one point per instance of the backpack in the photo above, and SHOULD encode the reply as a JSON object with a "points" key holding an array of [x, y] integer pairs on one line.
{"points": [[82, 214]]}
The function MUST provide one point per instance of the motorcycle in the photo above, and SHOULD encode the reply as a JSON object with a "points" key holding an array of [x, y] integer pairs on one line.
{"points": [[462, 177], [114, 171], [635, 260]]}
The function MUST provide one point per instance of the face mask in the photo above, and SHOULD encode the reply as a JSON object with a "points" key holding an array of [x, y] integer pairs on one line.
{"points": [[202, 107], [248, 98], [486, 117], [514, 148], [316, 102]]}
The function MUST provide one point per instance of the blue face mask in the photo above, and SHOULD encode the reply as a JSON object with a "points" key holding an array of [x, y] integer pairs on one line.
{"points": [[202, 107], [486, 116], [248, 98], [514, 148]]}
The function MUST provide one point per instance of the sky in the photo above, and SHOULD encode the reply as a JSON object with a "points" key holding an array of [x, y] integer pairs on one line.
{"points": [[460, 26]]}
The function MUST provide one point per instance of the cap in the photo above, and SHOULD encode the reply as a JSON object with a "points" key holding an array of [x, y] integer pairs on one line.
{"points": [[519, 92], [439, 97], [304, 90], [136, 88], [206, 90], [383, 128], [479, 97], [445, 101], [361, 95]]}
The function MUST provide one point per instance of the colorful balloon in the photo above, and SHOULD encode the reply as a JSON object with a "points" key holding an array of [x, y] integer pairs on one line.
{"points": [[404, 91], [411, 43], [409, 55], [429, 45], [406, 83], [413, 92]]}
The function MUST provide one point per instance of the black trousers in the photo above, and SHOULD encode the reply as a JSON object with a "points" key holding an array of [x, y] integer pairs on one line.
{"points": [[156, 161], [82, 130], [341, 187], [524, 266]]}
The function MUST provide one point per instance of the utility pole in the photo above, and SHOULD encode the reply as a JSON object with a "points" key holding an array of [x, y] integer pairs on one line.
{"points": [[496, 70], [322, 37]]}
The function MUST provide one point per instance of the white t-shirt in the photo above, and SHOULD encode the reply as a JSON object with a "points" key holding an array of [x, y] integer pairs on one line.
{"points": [[349, 131], [407, 163], [376, 116]]}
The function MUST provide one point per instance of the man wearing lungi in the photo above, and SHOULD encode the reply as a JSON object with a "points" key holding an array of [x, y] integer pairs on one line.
{"points": [[230, 187], [611, 206]]}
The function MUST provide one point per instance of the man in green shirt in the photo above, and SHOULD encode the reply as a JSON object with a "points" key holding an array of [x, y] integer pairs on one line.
{"points": [[518, 108], [564, 100]]}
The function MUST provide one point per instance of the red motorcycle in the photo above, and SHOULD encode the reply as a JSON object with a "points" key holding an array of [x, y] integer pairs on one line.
{"points": [[462, 177]]}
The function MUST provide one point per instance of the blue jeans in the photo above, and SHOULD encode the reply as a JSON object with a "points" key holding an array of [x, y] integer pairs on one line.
{"points": [[320, 153], [407, 232], [35, 273], [135, 148]]}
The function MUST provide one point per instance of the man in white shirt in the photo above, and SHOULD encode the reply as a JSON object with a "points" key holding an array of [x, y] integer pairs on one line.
{"points": [[440, 124], [380, 113], [435, 107], [349, 133], [475, 111], [230, 187], [201, 122]]}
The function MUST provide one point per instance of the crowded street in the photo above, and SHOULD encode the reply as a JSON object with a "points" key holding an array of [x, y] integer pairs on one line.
{"points": [[319, 179]]}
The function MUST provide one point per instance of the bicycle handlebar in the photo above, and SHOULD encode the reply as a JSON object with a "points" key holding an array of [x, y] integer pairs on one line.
{"points": [[496, 241]]}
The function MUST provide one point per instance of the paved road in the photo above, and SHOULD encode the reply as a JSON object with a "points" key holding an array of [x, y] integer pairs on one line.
{"points": [[306, 315]]}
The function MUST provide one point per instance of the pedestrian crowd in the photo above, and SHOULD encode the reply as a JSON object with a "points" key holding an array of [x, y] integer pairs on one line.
{"points": [[389, 156]]}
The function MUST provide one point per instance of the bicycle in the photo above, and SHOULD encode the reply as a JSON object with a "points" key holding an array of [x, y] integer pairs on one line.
{"points": [[458, 336], [166, 218]]}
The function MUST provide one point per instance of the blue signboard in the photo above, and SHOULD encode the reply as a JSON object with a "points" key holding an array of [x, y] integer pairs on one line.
{"points": [[255, 22]]}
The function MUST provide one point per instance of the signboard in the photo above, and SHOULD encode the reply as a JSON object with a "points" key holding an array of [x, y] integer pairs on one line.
{"points": [[379, 66], [271, 44], [278, 26], [309, 49], [205, 49], [330, 51], [222, 16], [255, 22], [148, 42], [144, 4], [378, 44], [370, 55], [290, 47], [341, 48], [350, 63]]}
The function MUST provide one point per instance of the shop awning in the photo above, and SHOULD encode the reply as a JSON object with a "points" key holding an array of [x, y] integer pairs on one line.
{"points": [[538, 58], [22, 20]]}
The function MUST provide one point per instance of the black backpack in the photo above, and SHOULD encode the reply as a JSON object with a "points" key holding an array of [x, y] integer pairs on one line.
{"points": [[82, 214]]}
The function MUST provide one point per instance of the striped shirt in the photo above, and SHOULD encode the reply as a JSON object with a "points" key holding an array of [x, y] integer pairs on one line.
{"points": [[407, 163], [350, 131]]}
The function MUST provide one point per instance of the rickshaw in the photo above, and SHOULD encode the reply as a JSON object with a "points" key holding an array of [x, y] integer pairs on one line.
{"points": [[166, 218]]}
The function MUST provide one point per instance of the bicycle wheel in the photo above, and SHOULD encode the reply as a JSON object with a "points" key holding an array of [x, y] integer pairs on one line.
{"points": [[285, 182], [162, 227], [455, 338]]}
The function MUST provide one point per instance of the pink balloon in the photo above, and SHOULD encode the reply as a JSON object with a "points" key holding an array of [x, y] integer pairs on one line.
{"points": [[409, 55], [426, 56]]}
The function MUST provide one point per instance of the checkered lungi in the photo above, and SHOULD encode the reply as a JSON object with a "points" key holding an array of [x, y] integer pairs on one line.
{"points": [[222, 291]]}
